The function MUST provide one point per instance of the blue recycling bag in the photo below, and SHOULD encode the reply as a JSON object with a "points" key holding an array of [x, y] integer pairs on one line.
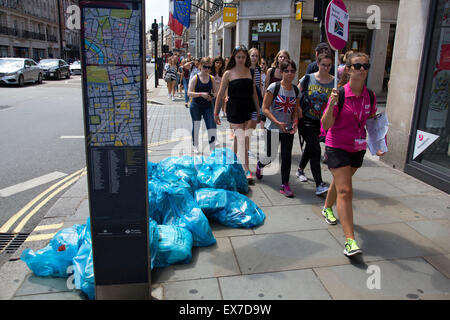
{"points": [[83, 263], [54, 259], [222, 170], [229, 208], [174, 246], [153, 238]]}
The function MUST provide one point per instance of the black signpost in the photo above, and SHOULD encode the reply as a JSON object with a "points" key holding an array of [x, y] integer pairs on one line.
{"points": [[114, 97]]}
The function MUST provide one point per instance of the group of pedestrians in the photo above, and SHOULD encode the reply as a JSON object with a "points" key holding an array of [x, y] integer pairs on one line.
{"points": [[248, 93]]}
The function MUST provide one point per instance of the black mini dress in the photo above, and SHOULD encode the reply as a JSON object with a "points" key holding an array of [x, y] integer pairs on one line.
{"points": [[240, 101]]}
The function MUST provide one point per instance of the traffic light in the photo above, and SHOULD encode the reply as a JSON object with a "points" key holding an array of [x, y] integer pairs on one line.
{"points": [[154, 31]]}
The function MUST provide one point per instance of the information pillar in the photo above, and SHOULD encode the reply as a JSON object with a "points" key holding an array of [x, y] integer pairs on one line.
{"points": [[114, 98]]}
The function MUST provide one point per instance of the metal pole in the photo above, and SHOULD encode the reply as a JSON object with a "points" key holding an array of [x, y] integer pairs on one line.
{"points": [[162, 36], [156, 56]]}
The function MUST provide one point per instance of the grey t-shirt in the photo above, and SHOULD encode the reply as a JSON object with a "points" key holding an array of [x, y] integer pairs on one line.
{"points": [[283, 106]]}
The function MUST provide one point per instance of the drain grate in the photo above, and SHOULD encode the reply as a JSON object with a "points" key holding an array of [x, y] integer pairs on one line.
{"points": [[10, 242]]}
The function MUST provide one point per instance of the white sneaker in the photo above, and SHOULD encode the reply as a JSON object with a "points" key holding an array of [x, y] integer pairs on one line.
{"points": [[169, 96], [173, 98], [301, 176]]}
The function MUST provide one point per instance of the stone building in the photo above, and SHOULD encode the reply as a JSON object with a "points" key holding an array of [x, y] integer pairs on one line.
{"points": [[29, 28]]}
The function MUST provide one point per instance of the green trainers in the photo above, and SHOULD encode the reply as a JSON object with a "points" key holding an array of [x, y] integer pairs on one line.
{"points": [[329, 216], [351, 248]]}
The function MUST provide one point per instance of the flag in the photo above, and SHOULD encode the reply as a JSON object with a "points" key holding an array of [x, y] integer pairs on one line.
{"points": [[182, 12], [339, 28], [174, 24]]}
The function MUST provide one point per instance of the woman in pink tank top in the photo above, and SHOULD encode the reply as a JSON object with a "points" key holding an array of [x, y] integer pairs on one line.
{"points": [[345, 144]]}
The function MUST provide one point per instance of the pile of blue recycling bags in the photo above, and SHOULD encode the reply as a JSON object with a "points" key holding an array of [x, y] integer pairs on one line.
{"points": [[185, 193]]}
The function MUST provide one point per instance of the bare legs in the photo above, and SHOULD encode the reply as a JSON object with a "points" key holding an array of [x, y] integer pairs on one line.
{"points": [[241, 143], [341, 193]]}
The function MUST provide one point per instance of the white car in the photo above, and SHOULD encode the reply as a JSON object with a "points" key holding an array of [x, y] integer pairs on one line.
{"points": [[19, 71], [75, 68]]}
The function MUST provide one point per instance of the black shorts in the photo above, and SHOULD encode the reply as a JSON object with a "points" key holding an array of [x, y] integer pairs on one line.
{"points": [[337, 158]]}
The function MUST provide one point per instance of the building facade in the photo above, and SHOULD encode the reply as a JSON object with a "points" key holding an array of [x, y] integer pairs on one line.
{"points": [[272, 25], [29, 28], [38, 29], [419, 92]]}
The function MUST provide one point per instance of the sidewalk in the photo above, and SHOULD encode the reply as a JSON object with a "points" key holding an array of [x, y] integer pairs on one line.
{"points": [[401, 223]]}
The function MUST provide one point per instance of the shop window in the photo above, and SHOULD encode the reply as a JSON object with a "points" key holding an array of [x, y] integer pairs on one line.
{"points": [[433, 120]]}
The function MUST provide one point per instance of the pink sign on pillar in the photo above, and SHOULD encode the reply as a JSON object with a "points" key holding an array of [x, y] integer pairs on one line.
{"points": [[336, 27]]}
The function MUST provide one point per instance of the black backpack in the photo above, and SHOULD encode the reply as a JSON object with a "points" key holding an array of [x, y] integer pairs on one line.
{"points": [[305, 102], [341, 98], [277, 90]]}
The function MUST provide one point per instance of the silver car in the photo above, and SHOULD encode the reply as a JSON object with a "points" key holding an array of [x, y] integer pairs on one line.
{"points": [[19, 71]]}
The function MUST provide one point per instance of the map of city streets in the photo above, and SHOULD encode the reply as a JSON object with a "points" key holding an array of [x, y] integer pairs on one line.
{"points": [[113, 76]]}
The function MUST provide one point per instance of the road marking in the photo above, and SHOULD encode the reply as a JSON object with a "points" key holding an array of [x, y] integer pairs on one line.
{"points": [[49, 227], [22, 211], [6, 192], [38, 237], [71, 137], [43, 202]]}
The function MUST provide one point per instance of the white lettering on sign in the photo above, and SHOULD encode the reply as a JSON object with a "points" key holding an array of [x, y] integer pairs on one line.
{"points": [[268, 27]]}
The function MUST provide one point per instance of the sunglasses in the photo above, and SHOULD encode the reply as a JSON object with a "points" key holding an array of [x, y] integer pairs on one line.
{"points": [[241, 47], [206, 67], [358, 66]]}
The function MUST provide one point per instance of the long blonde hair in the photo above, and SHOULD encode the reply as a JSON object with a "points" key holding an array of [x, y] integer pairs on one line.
{"points": [[275, 62]]}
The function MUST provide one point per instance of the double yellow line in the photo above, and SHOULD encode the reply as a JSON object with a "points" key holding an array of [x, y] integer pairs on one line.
{"points": [[59, 186]]}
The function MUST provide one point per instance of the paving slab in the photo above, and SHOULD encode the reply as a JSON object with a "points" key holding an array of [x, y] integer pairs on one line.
{"points": [[385, 210], [303, 194], [441, 263], [207, 262], [287, 251], [389, 241], [257, 195], [435, 230], [375, 189], [204, 289], [41, 285], [406, 279], [290, 218], [435, 207], [221, 231], [287, 285]]}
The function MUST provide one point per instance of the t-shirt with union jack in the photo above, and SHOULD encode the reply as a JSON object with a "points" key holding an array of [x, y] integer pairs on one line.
{"points": [[283, 106]]}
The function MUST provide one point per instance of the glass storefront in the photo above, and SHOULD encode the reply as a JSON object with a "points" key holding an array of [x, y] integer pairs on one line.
{"points": [[266, 36], [429, 152]]}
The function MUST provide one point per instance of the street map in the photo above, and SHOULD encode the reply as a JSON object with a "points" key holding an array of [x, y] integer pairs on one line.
{"points": [[113, 76]]}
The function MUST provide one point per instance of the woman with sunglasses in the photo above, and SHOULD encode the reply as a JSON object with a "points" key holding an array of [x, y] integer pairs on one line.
{"points": [[318, 87], [201, 89], [242, 101], [345, 144], [282, 110]]}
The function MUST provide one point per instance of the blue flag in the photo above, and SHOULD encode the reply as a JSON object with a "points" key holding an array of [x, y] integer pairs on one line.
{"points": [[182, 12]]}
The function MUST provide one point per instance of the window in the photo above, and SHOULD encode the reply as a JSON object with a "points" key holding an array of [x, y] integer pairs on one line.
{"points": [[430, 140]]}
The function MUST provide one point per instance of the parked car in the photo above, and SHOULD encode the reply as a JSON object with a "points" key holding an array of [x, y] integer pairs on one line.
{"points": [[75, 67], [147, 59], [19, 71], [55, 68], [153, 60]]}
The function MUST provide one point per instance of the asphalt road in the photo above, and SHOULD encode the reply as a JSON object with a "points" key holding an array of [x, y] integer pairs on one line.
{"points": [[41, 144], [32, 121]]}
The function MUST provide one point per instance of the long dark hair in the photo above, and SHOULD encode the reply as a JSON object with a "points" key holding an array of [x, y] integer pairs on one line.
{"points": [[221, 70], [232, 63]]}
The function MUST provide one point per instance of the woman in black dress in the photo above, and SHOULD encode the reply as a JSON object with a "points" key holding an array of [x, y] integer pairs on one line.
{"points": [[242, 101]]}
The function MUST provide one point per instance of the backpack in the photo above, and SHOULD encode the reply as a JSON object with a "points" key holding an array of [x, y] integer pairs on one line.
{"points": [[277, 90], [305, 102], [341, 99]]}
